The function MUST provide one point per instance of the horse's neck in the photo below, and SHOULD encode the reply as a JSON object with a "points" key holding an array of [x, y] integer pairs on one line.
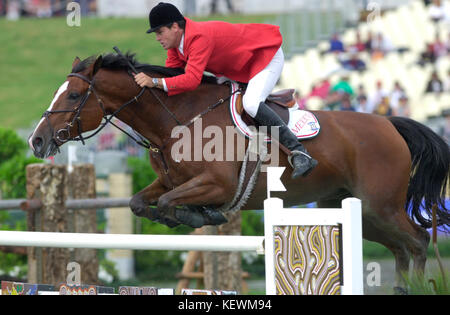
{"points": [[147, 118], [154, 117]]}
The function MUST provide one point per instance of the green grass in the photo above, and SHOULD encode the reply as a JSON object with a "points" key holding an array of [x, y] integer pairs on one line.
{"points": [[37, 54], [431, 285]]}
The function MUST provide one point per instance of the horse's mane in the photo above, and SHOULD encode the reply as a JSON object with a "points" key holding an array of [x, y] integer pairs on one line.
{"points": [[115, 62]]}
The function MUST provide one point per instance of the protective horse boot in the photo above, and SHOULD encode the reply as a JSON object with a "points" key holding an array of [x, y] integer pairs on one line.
{"points": [[300, 160]]}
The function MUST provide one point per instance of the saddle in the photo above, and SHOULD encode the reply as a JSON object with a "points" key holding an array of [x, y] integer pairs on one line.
{"points": [[280, 102], [303, 124]]}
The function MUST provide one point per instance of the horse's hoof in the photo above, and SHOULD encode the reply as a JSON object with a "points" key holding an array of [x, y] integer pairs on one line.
{"points": [[194, 219], [171, 224], [197, 217], [154, 215], [213, 217], [400, 291], [141, 208]]}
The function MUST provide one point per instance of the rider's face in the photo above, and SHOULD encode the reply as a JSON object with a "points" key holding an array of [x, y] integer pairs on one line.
{"points": [[169, 37]]}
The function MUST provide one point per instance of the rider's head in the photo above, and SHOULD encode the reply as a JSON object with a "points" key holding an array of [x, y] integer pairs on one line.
{"points": [[168, 24]]}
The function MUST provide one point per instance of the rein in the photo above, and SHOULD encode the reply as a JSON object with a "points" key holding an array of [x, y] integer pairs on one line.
{"points": [[63, 135]]}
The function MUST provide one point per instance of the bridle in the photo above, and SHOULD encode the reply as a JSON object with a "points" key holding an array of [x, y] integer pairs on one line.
{"points": [[63, 135]]}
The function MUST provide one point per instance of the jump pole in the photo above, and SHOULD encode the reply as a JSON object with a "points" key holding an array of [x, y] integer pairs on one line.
{"points": [[220, 243]]}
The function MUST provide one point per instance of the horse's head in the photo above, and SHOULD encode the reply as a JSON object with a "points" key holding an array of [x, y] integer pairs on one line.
{"points": [[75, 108]]}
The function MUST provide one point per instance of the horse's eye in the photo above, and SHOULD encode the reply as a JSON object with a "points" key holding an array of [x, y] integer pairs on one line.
{"points": [[74, 96]]}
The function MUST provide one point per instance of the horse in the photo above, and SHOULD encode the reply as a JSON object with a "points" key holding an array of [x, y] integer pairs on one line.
{"points": [[392, 165]]}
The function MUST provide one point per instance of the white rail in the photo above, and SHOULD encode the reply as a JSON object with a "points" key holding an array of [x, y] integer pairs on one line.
{"points": [[136, 242]]}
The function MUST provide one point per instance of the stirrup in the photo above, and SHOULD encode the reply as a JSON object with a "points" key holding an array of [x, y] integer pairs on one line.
{"points": [[295, 153]]}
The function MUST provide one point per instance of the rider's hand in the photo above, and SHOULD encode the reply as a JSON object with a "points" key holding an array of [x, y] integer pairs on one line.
{"points": [[143, 80]]}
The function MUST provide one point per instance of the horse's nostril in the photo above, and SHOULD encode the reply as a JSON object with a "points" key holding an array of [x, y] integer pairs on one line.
{"points": [[37, 143]]}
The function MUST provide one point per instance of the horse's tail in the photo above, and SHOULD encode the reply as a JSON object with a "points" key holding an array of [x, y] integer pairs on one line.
{"points": [[429, 173]]}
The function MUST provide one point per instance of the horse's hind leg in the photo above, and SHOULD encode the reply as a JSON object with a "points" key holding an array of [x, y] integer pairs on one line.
{"points": [[419, 248], [391, 227]]}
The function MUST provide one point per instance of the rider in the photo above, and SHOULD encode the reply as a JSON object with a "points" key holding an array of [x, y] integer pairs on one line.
{"points": [[248, 53]]}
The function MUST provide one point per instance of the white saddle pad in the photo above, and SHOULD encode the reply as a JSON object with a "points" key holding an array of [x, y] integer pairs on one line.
{"points": [[302, 123]]}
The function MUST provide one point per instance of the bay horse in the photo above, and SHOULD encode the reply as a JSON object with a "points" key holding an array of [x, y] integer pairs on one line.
{"points": [[391, 164]]}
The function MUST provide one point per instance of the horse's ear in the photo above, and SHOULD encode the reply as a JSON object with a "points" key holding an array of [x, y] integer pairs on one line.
{"points": [[75, 62], [97, 65]]}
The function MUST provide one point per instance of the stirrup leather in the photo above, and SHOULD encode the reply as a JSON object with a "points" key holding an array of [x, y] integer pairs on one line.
{"points": [[295, 153]]}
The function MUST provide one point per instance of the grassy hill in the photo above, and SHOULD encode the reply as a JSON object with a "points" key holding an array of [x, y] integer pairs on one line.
{"points": [[37, 54]]}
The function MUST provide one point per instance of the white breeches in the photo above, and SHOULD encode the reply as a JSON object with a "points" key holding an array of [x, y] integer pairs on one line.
{"points": [[262, 84]]}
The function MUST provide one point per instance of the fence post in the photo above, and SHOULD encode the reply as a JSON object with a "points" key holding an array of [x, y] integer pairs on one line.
{"points": [[47, 182], [120, 221], [81, 185], [223, 270]]}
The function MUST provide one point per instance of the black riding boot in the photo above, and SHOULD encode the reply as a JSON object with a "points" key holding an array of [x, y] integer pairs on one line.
{"points": [[300, 160]]}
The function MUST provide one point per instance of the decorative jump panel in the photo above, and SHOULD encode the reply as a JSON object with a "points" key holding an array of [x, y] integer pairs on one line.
{"points": [[307, 260]]}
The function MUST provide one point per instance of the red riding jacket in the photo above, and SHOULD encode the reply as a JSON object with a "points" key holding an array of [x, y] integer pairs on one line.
{"points": [[236, 51]]}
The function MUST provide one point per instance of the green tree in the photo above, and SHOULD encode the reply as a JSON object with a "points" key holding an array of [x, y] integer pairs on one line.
{"points": [[142, 172], [12, 144], [13, 162]]}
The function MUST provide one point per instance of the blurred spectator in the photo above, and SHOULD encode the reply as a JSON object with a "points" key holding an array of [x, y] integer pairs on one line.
{"points": [[396, 93], [361, 91], [354, 63], [435, 84], [439, 47], [381, 46], [343, 86], [339, 92], [368, 42], [361, 104], [43, 8], [346, 104], [436, 11], [336, 45], [13, 10], [402, 109], [383, 108], [214, 6], [376, 97], [428, 55], [39, 8], [321, 89], [359, 45]]}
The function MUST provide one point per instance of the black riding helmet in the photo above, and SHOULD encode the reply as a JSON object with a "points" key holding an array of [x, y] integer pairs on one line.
{"points": [[163, 14]]}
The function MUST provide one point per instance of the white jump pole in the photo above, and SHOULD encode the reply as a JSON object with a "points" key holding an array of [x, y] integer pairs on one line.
{"points": [[136, 242]]}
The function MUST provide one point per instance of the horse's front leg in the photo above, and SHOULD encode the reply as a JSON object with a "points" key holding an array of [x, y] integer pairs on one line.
{"points": [[200, 191], [141, 203]]}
